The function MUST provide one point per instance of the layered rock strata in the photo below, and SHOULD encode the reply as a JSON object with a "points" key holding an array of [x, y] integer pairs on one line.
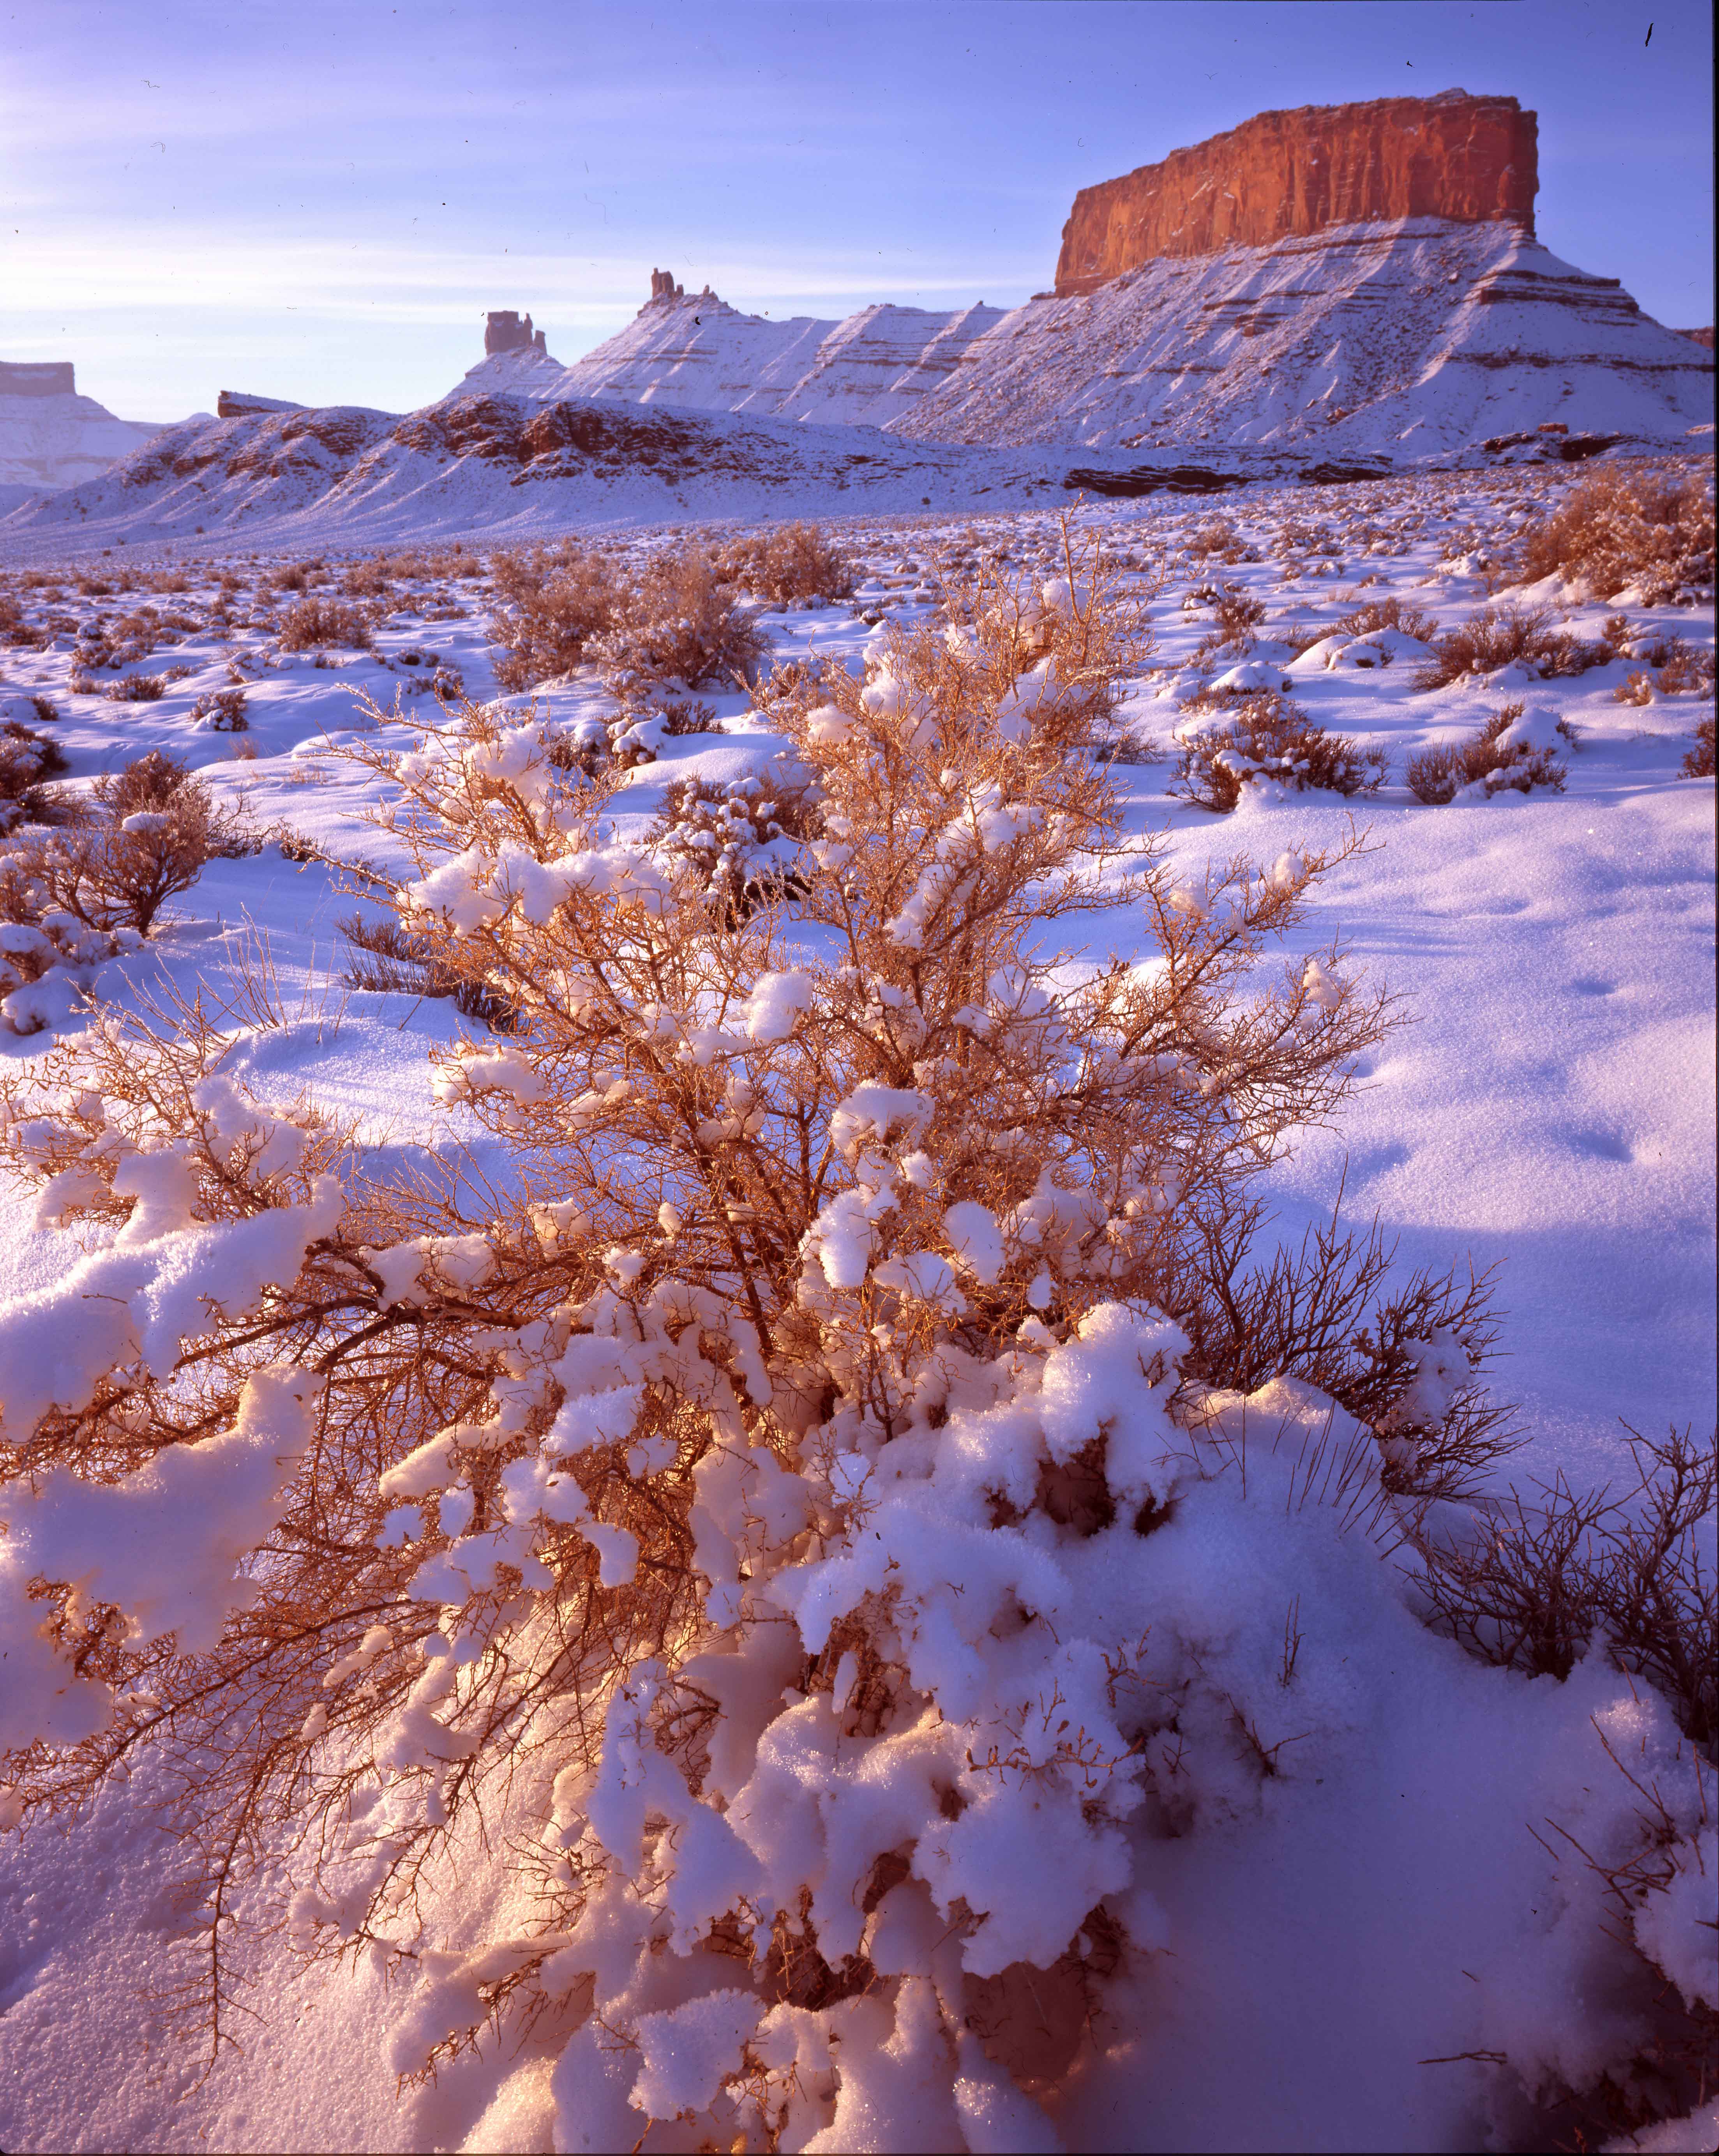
{"points": [[1412, 340], [696, 351], [1288, 175]]}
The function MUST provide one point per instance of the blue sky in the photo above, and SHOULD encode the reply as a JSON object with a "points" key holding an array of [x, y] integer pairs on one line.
{"points": [[319, 201]]}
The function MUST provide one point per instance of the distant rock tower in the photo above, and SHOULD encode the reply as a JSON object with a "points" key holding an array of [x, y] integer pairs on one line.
{"points": [[504, 332], [664, 287]]}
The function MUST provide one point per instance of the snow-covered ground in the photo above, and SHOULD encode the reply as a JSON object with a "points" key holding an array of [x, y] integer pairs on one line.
{"points": [[1547, 1107]]}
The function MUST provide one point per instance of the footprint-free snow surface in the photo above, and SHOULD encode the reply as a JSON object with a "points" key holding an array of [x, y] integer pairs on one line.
{"points": [[1546, 1108]]}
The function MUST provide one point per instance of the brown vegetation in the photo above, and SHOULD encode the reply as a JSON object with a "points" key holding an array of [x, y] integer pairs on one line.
{"points": [[1266, 736], [1626, 526], [1506, 635], [1437, 775]]}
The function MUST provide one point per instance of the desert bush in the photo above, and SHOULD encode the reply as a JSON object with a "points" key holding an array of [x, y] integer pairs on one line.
{"points": [[679, 622], [224, 709], [1267, 739], [1405, 1357], [1216, 537], [789, 562], [152, 830], [1375, 614], [136, 688], [812, 1219], [1507, 635], [558, 599], [744, 838], [1672, 668], [314, 620], [1546, 1575], [1511, 751], [15, 627], [391, 960], [26, 759], [1624, 527], [1698, 762], [1237, 611], [366, 580]]}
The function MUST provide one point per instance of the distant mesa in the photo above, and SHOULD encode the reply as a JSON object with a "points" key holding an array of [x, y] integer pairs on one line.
{"points": [[1286, 175], [32, 378], [50, 436], [240, 404], [1700, 336], [505, 331]]}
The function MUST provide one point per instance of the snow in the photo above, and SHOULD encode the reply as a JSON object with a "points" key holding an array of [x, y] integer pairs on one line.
{"points": [[1488, 333], [1307, 1938], [1412, 339]]}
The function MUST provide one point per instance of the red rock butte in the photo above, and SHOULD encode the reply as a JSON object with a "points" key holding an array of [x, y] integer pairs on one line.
{"points": [[1285, 175]]}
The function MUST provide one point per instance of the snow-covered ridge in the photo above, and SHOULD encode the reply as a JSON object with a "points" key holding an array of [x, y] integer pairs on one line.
{"points": [[699, 352], [1413, 340], [1410, 340], [508, 458]]}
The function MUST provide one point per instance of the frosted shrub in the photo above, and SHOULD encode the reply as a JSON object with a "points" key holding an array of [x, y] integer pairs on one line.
{"points": [[1697, 762], [222, 711], [1508, 635], [1263, 739], [27, 758], [1372, 615], [681, 622], [789, 562], [1642, 528], [554, 601], [678, 622], [312, 621], [151, 831], [728, 1512], [136, 688], [744, 838], [1514, 752]]}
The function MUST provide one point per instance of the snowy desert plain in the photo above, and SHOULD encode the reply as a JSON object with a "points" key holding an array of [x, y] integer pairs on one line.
{"points": [[1328, 1846], [856, 1280]]}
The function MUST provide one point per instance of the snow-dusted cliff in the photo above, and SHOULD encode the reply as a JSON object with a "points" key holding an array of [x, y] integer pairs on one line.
{"points": [[50, 437], [1408, 339]]}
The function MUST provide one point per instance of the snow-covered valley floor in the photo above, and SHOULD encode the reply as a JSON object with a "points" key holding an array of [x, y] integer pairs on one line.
{"points": [[1546, 1108]]}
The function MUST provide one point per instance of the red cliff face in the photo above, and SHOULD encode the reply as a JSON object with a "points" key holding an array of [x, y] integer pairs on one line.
{"points": [[1281, 174]]}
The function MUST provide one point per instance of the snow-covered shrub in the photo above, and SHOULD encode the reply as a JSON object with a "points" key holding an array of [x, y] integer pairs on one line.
{"points": [[1237, 611], [136, 688], [732, 1505], [744, 838], [1508, 635], [1698, 762], [313, 620], [1374, 614], [396, 962], [555, 599], [1642, 528], [152, 829], [222, 711], [1670, 667], [1216, 537], [27, 758], [1260, 738], [792, 560], [1515, 751], [15, 627], [1559, 1569], [679, 622]]}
